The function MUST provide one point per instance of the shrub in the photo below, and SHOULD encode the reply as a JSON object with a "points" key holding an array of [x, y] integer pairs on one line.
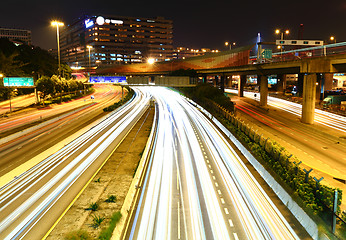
{"points": [[111, 199], [77, 235], [93, 207], [97, 220], [106, 233]]}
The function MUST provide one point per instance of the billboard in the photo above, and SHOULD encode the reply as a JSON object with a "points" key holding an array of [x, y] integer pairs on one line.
{"points": [[18, 82], [107, 79]]}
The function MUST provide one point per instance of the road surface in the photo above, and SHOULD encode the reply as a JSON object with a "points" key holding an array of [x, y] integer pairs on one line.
{"points": [[33, 200], [196, 186]]}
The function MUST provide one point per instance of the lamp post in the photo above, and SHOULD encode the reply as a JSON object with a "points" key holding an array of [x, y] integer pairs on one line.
{"points": [[230, 45], [89, 47], [278, 31], [332, 38], [57, 25]]}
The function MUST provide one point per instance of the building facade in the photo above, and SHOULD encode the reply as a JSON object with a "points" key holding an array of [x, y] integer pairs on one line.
{"points": [[20, 35], [111, 40]]}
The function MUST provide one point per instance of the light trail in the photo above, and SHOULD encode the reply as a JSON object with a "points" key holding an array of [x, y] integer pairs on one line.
{"points": [[325, 118], [187, 143], [62, 170]]}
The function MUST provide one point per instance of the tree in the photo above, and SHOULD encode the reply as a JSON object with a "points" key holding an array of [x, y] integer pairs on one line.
{"points": [[45, 85]]}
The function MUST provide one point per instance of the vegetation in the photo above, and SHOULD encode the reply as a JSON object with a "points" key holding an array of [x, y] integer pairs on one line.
{"points": [[97, 220], [315, 198], [77, 235], [106, 233], [93, 207], [129, 95], [206, 94], [111, 199]]}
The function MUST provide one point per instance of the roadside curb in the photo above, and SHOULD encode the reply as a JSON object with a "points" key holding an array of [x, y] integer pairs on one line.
{"points": [[131, 198]]}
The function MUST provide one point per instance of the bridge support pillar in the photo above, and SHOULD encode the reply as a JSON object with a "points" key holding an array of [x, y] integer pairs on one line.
{"points": [[204, 78], [241, 84], [300, 84], [263, 90], [281, 83], [222, 83], [216, 81], [309, 95], [229, 81]]}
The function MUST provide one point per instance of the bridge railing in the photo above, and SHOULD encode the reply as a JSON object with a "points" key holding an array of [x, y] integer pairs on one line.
{"points": [[297, 54]]}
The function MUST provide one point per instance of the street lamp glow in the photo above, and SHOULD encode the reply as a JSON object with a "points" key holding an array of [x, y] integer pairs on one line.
{"points": [[151, 61], [1, 75], [287, 31], [226, 43], [332, 38], [277, 31], [58, 24]]}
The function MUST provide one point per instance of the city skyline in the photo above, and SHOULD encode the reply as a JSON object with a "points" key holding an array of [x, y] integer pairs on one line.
{"points": [[197, 24]]}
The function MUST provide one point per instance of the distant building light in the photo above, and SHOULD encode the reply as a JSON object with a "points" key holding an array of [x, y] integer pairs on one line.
{"points": [[150, 21], [138, 20], [100, 20], [117, 21]]}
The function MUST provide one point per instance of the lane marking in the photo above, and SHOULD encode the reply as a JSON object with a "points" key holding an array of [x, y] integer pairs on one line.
{"points": [[222, 201], [216, 184], [235, 236], [219, 192], [226, 211], [230, 222], [209, 166], [211, 171], [178, 221], [213, 177]]}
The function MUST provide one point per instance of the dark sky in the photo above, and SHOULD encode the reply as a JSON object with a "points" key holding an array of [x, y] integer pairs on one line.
{"points": [[197, 24]]}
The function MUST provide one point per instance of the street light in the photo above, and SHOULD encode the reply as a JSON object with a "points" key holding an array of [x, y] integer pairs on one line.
{"points": [[332, 38], [229, 44], [89, 47], [57, 25], [277, 31], [151, 61]]}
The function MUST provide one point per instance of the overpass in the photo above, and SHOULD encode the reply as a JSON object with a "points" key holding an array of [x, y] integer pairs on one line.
{"points": [[315, 70]]}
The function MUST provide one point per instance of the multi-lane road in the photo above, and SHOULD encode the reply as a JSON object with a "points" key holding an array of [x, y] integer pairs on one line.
{"points": [[321, 146], [196, 186], [33, 200]]}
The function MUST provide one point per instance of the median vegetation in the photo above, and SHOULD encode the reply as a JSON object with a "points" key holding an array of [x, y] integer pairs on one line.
{"points": [[315, 198], [129, 94]]}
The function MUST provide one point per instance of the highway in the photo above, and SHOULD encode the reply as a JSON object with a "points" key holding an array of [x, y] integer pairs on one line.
{"points": [[17, 102], [103, 94], [321, 146], [322, 117], [19, 149], [196, 186], [33, 200]]}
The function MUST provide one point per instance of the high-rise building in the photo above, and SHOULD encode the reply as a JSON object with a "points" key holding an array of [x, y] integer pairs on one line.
{"points": [[20, 35], [108, 40]]}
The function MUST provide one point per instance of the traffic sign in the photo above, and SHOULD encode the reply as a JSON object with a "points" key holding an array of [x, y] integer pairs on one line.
{"points": [[266, 54], [18, 82]]}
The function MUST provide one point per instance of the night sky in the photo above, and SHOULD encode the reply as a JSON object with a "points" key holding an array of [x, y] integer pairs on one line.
{"points": [[196, 24]]}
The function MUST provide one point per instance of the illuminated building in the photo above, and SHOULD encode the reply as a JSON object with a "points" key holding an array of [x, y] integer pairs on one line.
{"points": [[20, 35], [116, 40]]}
